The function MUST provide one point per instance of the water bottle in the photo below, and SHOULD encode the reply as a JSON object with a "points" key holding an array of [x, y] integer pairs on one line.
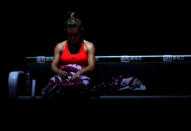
{"points": [[28, 83]]}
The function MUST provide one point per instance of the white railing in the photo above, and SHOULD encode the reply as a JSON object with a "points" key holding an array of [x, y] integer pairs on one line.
{"points": [[124, 58]]}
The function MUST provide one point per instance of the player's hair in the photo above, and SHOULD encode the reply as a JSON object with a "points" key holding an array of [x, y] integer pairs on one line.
{"points": [[73, 21]]}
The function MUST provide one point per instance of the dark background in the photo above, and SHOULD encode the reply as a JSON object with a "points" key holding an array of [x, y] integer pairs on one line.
{"points": [[115, 28], [139, 28]]}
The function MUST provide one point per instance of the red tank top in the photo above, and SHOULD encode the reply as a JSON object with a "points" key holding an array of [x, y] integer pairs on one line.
{"points": [[79, 58]]}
